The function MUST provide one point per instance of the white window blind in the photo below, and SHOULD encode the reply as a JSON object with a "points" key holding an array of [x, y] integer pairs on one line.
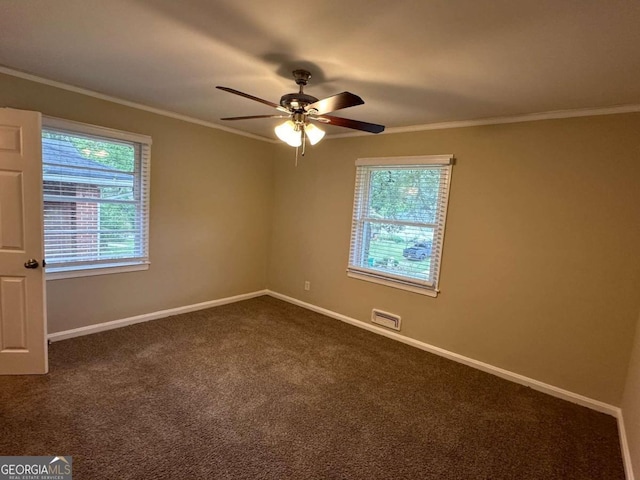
{"points": [[96, 197], [399, 215]]}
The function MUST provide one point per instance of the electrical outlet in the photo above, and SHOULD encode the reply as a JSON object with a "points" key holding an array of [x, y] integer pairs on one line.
{"points": [[307, 285]]}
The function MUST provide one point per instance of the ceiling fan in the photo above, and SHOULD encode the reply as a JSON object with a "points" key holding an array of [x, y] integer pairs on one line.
{"points": [[300, 109]]}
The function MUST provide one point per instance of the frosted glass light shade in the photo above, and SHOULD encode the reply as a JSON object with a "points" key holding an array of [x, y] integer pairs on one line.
{"points": [[314, 134], [287, 133]]}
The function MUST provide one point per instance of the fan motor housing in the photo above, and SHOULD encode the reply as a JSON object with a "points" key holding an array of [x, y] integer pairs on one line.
{"points": [[297, 101]]}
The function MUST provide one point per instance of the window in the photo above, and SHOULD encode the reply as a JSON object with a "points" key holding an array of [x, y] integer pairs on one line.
{"points": [[399, 213], [95, 191]]}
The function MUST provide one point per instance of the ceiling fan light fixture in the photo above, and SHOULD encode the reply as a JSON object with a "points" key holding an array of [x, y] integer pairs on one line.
{"points": [[289, 134], [302, 108], [314, 134]]}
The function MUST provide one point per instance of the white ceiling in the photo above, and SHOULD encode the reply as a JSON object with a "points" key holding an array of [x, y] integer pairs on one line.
{"points": [[414, 62]]}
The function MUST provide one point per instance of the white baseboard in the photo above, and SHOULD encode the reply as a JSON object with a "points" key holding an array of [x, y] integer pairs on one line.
{"points": [[101, 327], [624, 447], [485, 367]]}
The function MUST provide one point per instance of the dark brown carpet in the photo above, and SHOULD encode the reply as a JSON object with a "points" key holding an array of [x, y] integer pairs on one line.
{"points": [[265, 390]]}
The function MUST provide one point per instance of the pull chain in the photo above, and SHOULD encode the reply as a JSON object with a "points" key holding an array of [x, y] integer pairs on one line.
{"points": [[304, 141]]}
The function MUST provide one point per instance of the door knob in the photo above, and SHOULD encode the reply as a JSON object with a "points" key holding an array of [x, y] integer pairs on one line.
{"points": [[31, 263]]}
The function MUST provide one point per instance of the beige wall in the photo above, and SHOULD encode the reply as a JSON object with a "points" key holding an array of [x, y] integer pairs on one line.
{"points": [[631, 404], [540, 264], [210, 213], [540, 269]]}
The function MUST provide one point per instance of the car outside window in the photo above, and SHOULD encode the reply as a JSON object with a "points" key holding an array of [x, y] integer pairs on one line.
{"points": [[398, 225]]}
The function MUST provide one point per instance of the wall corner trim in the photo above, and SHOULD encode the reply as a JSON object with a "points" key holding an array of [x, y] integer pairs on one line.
{"points": [[101, 327], [624, 447]]}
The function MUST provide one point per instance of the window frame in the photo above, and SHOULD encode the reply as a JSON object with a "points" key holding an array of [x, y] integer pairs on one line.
{"points": [[360, 205], [142, 176]]}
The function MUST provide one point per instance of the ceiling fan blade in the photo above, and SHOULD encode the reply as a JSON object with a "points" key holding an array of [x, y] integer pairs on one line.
{"points": [[348, 123], [255, 116], [335, 102], [251, 97]]}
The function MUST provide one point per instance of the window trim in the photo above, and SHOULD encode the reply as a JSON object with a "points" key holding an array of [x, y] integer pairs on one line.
{"points": [[427, 288], [392, 283], [88, 129], [62, 272], [116, 265]]}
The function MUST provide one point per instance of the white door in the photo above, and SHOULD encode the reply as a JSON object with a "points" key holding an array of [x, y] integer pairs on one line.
{"points": [[23, 339]]}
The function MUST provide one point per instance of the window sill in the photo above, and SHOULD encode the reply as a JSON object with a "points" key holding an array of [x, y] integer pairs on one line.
{"points": [[390, 283], [61, 274]]}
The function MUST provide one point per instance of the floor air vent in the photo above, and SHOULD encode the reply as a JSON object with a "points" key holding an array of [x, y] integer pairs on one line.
{"points": [[385, 319]]}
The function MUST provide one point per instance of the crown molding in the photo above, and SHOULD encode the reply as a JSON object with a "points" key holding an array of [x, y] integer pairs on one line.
{"points": [[529, 117], [127, 103]]}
